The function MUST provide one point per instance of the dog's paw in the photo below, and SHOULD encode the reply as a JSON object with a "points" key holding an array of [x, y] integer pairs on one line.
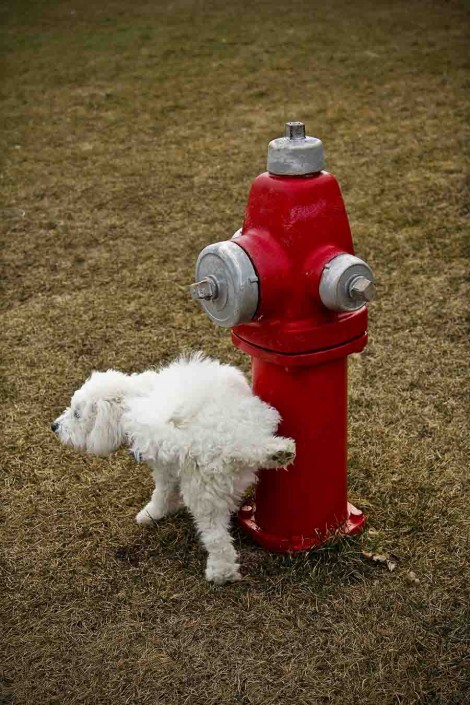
{"points": [[144, 518], [220, 573], [284, 456]]}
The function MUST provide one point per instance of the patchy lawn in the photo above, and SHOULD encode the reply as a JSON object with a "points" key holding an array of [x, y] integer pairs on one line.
{"points": [[132, 132]]}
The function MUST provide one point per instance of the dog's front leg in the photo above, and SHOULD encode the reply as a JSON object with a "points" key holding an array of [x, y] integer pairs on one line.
{"points": [[165, 497]]}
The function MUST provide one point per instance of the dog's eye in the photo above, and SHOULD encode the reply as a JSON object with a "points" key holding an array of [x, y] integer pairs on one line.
{"points": [[76, 414]]}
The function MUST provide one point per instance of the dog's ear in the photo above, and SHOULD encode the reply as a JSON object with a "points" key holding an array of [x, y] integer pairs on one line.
{"points": [[106, 435]]}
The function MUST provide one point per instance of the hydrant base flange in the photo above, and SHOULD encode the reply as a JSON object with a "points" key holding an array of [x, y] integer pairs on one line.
{"points": [[354, 524]]}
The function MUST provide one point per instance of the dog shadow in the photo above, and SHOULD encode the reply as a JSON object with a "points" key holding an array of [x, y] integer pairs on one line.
{"points": [[174, 540]]}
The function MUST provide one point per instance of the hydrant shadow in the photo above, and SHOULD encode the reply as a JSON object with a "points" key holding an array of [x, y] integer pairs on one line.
{"points": [[338, 561]]}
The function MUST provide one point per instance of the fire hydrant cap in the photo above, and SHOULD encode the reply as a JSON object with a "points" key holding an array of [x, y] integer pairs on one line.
{"points": [[346, 284], [296, 154], [226, 284]]}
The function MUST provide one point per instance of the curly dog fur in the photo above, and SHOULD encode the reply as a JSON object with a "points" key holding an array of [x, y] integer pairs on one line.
{"points": [[199, 427]]}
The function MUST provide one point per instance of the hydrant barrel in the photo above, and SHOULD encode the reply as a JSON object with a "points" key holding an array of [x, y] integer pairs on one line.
{"points": [[312, 401], [296, 301]]}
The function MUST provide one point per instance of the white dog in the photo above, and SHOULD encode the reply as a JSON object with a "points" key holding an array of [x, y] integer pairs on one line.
{"points": [[199, 427]]}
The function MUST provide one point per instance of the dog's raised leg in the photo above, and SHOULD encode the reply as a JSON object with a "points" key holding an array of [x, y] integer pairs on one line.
{"points": [[165, 497]]}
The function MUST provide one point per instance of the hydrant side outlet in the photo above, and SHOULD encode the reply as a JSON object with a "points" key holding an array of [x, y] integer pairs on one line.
{"points": [[226, 284], [346, 283]]}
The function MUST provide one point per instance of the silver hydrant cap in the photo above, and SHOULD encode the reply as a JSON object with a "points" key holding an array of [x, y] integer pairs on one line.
{"points": [[226, 284], [296, 154], [346, 284]]}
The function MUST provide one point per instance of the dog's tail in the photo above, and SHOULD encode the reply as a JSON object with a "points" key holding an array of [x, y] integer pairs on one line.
{"points": [[280, 452]]}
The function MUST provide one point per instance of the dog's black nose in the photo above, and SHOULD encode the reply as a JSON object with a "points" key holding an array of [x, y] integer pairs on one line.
{"points": [[54, 426]]}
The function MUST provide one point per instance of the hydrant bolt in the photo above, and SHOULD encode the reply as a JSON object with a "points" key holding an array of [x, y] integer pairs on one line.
{"points": [[295, 130], [205, 289], [362, 289]]}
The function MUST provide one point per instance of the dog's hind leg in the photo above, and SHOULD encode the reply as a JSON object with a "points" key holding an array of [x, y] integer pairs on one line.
{"points": [[165, 499], [280, 452], [270, 452], [222, 565], [209, 497]]}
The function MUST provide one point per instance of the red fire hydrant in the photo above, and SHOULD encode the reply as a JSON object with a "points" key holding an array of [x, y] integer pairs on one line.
{"points": [[294, 294]]}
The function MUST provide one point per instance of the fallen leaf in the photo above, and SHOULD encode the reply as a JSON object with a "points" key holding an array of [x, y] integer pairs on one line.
{"points": [[412, 578], [379, 558]]}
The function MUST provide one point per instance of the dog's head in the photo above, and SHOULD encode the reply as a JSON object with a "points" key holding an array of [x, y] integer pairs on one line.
{"points": [[92, 422]]}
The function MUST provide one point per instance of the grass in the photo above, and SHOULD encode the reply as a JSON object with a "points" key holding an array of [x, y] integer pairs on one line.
{"points": [[132, 132]]}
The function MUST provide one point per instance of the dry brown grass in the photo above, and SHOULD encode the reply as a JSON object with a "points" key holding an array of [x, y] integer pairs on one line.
{"points": [[132, 133]]}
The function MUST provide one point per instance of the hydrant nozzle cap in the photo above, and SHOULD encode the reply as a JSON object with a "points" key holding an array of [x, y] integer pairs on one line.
{"points": [[346, 284], [296, 154], [226, 284]]}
